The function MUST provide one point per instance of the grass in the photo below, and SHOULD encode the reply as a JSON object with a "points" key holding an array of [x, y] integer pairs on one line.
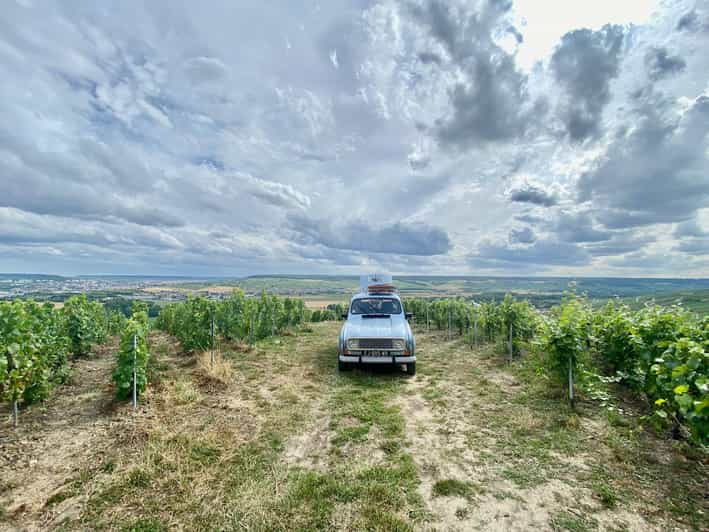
{"points": [[606, 494], [573, 523], [451, 487], [144, 525], [250, 485]]}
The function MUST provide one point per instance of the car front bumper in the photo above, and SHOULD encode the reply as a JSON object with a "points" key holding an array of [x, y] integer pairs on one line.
{"points": [[364, 359]]}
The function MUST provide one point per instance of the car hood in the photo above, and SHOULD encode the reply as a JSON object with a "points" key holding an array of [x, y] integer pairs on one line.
{"points": [[391, 327]]}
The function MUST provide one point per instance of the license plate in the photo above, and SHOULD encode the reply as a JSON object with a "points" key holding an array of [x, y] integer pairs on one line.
{"points": [[377, 353]]}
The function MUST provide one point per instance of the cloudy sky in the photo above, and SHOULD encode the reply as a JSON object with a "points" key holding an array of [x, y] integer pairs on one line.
{"points": [[414, 136]]}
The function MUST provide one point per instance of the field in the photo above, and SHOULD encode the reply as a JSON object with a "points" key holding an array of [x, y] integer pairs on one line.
{"points": [[542, 292], [320, 290], [276, 439]]}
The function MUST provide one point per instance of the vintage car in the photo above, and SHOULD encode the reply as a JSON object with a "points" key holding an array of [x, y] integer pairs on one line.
{"points": [[376, 330]]}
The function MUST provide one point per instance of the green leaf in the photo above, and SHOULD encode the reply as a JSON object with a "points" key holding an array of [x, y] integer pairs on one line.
{"points": [[681, 389]]}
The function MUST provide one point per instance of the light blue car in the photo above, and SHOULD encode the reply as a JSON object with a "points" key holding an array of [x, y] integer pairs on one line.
{"points": [[376, 331]]}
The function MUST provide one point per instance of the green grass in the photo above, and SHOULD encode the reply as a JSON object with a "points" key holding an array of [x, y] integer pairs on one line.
{"points": [[144, 525], [451, 487], [573, 523], [606, 494]]}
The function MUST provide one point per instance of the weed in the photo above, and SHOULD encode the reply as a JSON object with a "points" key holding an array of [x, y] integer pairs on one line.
{"points": [[108, 466], [204, 454], [59, 497], [351, 434], [573, 523], [461, 513], [390, 446], [606, 494], [452, 488], [139, 478], [524, 477], [144, 525]]}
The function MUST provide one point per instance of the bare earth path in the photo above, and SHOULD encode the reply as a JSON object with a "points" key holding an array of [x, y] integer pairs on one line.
{"points": [[278, 440]]}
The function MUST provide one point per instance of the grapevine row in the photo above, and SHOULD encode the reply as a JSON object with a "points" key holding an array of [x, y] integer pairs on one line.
{"points": [[36, 341], [197, 322], [661, 353]]}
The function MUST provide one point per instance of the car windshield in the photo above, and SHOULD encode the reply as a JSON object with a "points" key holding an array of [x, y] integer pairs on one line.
{"points": [[376, 305]]}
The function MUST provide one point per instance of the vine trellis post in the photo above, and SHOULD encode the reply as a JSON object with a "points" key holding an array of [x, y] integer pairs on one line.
{"points": [[135, 373]]}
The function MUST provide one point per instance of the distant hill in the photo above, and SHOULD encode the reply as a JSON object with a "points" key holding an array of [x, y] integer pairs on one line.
{"points": [[543, 292], [595, 287], [30, 277]]}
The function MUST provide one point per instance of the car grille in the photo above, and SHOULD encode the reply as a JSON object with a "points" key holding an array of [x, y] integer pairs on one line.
{"points": [[375, 343]]}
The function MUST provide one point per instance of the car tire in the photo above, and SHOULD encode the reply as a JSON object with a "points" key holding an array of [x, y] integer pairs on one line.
{"points": [[411, 368], [342, 366]]}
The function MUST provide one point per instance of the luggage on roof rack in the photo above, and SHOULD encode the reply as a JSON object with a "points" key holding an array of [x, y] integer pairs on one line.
{"points": [[376, 283]]}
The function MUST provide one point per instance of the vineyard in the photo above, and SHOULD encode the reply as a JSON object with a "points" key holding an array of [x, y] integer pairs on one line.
{"points": [[199, 322], [660, 353], [37, 341], [519, 417]]}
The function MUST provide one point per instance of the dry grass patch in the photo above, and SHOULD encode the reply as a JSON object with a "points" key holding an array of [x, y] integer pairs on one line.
{"points": [[214, 367]]}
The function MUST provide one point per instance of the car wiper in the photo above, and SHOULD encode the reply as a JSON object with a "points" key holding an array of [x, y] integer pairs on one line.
{"points": [[380, 315]]}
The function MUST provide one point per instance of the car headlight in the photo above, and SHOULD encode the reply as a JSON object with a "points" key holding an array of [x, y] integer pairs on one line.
{"points": [[353, 343], [399, 345]]}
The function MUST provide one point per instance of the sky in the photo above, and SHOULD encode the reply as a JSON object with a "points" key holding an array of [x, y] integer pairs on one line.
{"points": [[486, 137]]}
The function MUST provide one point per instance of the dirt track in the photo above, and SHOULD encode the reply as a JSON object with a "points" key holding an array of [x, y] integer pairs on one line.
{"points": [[281, 441]]}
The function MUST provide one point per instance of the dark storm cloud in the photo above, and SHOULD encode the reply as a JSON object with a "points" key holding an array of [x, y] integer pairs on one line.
{"points": [[661, 64], [535, 194], [401, 238], [657, 173], [522, 236], [490, 104], [584, 64], [540, 253]]}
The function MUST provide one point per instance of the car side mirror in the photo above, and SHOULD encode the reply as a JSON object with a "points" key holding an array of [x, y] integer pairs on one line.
{"points": [[344, 315], [409, 315]]}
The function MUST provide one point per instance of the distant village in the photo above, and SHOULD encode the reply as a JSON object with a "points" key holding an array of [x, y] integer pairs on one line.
{"points": [[159, 290], [57, 289]]}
